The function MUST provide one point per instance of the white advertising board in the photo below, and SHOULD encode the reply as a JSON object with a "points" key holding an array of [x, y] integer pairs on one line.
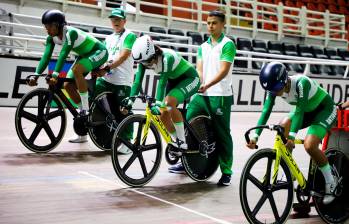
{"points": [[248, 95]]}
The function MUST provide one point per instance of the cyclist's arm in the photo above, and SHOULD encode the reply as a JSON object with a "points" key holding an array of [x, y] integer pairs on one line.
{"points": [[303, 87], [168, 62], [46, 56], [267, 108], [160, 90], [199, 64], [126, 50], [71, 36], [137, 84]]}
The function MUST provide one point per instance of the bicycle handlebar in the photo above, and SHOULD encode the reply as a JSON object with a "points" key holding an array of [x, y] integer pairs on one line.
{"points": [[280, 130], [47, 78], [144, 98]]}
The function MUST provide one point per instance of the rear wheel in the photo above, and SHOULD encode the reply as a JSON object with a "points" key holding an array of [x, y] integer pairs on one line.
{"points": [[261, 200], [197, 165], [101, 124], [140, 166], [338, 210], [40, 120]]}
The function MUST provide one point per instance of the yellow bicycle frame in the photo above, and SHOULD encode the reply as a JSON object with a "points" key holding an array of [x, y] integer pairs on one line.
{"points": [[282, 152], [158, 124]]}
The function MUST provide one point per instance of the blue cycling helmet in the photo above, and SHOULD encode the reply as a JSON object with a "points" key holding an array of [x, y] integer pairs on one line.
{"points": [[273, 76]]}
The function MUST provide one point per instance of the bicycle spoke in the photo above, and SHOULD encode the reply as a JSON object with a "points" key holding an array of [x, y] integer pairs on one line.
{"points": [[54, 114], [274, 208], [144, 168], [280, 186], [149, 147], [127, 143], [256, 182], [259, 205], [49, 131], [29, 116], [129, 162], [35, 133]]}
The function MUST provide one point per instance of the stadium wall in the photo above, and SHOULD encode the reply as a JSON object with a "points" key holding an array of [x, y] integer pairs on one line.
{"points": [[247, 93]]}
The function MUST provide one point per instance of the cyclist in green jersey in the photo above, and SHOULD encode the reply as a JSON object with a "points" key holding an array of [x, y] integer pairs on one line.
{"points": [[91, 54], [313, 108], [173, 69]]}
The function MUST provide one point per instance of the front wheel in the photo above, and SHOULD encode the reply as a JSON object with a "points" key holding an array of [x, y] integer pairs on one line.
{"points": [[338, 210], [261, 200], [40, 120], [139, 166]]}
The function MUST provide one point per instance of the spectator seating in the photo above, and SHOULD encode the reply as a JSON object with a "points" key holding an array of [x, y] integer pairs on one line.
{"points": [[291, 50]]}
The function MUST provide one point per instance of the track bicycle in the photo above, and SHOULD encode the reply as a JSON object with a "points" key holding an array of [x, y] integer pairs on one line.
{"points": [[268, 176], [40, 118], [200, 161]]}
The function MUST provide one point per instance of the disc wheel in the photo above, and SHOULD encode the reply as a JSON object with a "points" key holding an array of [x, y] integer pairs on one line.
{"points": [[338, 210], [101, 125], [197, 165]]}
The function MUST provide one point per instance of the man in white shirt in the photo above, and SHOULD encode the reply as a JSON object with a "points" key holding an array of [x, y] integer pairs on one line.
{"points": [[215, 58], [117, 75]]}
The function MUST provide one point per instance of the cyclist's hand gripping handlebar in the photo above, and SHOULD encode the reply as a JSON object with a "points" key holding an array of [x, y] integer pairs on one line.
{"points": [[278, 128]]}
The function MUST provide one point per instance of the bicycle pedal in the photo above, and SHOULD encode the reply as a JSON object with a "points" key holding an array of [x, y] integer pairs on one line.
{"points": [[315, 194]]}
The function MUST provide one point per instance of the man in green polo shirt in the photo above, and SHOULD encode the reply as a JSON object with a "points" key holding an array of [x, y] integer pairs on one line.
{"points": [[117, 74], [215, 58]]}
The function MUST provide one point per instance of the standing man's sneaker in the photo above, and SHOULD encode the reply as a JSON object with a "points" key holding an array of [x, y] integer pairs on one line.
{"points": [[178, 168], [123, 149], [225, 180], [78, 139]]}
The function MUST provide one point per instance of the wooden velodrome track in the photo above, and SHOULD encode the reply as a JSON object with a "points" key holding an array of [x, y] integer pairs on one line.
{"points": [[76, 183]]}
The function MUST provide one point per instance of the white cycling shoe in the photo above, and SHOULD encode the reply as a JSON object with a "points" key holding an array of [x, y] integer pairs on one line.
{"points": [[123, 149], [78, 139], [330, 191]]}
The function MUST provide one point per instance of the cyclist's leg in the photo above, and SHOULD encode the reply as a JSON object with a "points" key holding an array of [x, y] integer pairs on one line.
{"points": [[185, 89], [220, 111], [286, 124], [86, 64], [71, 88], [322, 123]]}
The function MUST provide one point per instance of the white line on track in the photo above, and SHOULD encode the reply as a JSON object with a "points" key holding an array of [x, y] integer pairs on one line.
{"points": [[156, 198]]}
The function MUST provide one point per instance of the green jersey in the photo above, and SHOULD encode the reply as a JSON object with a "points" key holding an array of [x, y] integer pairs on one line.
{"points": [[73, 40], [305, 95], [170, 66]]}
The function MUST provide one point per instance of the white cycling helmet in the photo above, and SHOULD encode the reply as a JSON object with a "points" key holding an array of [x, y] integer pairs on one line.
{"points": [[143, 49]]}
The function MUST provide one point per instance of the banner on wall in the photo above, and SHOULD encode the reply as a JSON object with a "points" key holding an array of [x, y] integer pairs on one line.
{"points": [[248, 95]]}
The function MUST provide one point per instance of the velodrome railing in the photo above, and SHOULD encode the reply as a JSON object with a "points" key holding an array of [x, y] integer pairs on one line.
{"points": [[248, 55], [243, 14]]}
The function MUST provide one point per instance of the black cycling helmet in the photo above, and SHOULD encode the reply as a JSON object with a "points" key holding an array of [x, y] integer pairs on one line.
{"points": [[53, 16], [273, 76]]}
